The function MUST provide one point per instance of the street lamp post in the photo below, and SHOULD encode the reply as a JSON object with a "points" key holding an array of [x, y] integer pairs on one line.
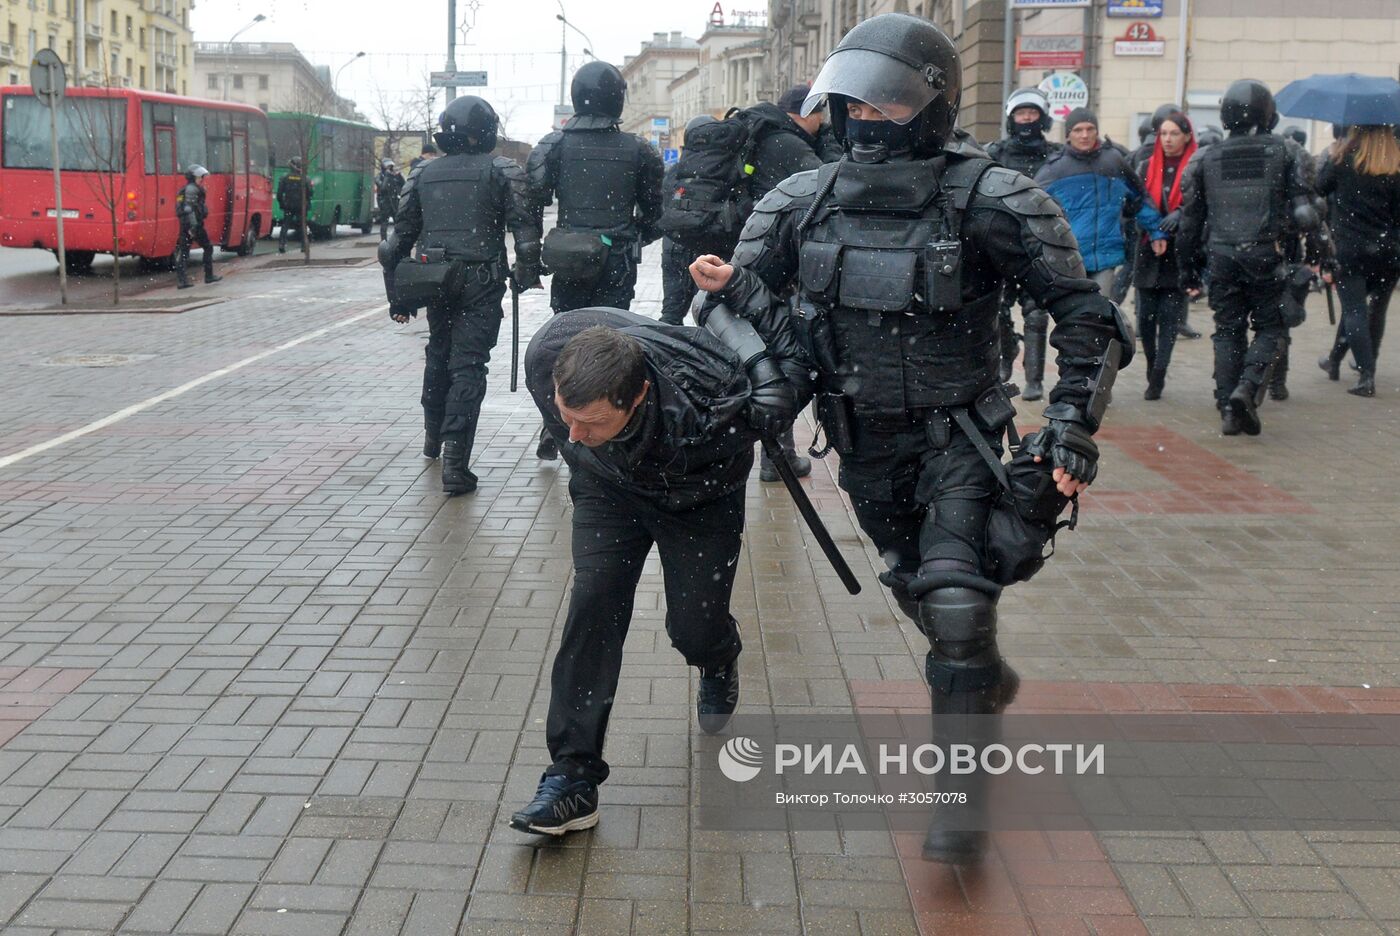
{"points": [[335, 81], [228, 53], [563, 48]]}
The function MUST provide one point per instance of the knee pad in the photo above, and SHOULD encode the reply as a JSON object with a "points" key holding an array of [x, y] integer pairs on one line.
{"points": [[960, 622]]}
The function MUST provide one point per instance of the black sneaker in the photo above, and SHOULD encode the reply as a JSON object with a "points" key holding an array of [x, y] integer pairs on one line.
{"points": [[718, 697], [1229, 423], [561, 805], [548, 449]]}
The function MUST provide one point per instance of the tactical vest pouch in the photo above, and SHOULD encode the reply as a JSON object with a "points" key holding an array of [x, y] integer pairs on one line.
{"points": [[816, 270], [574, 256], [943, 275], [834, 415], [877, 280], [436, 282]]}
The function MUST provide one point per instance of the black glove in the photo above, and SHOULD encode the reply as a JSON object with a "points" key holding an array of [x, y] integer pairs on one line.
{"points": [[397, 313], [1170, 222], [773, 400], [525, 277], [1069, 445]]}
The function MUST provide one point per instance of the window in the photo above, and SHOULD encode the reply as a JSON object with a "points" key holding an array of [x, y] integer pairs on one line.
{"points": [[238, 82], [53, 42], [258, 154], [114, 24], [113, 70], [53, 7], [218, 142], [262, 82], [129, 64], [213, 82], [262, 106], [143, 76], [189, 135], [130, 31], [91, 132], [143, 38]]}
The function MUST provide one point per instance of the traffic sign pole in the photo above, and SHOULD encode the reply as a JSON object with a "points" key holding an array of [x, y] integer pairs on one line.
{"points": [[58, 207], [47, 78]]}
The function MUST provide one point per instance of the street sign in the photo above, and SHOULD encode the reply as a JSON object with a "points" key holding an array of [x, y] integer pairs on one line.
{"points": [[1048, 4], [1145, 8], [1066, 51], [1139, 40], [562, 113], [670, 156], [459, 79], [660, 123], [47, 77], [1065, 91]]}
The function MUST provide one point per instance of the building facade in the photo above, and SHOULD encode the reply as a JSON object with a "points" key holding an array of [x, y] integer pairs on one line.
{"points": [[273, 76], [122, 43], [649, 74], [730, 73]]}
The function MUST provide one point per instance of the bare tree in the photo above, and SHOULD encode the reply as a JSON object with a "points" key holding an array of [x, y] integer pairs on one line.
{"points": [[309, 107], [101, 122], [398, 116]]}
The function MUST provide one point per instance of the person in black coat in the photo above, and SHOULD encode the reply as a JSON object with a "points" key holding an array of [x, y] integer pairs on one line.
{"points": [[1161, 299], [1361, 180]]}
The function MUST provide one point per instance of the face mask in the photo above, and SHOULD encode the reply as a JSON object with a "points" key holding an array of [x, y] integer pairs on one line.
{"points": [[894, 137], [1027, 132]]}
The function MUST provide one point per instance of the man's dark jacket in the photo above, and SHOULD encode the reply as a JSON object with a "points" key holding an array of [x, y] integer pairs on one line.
{"points": [[783, 148], [688, 442]]}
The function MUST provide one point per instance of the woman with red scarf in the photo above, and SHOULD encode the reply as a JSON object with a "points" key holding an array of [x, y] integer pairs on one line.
{"points": [[1161, 300]]}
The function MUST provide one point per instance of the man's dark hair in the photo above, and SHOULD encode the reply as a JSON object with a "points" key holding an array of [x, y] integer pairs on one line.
{"points": [[600, 363]]}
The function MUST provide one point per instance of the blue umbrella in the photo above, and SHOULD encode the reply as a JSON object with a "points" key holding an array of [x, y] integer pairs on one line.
{"points": [[1350, 100]]}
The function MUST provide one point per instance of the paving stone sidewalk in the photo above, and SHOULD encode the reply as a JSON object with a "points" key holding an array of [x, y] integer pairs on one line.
{"points": [[257, 675]]}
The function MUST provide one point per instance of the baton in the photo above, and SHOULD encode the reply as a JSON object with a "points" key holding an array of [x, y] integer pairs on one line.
{"points": [[1331, 309], [514, 334], [809, 513]]}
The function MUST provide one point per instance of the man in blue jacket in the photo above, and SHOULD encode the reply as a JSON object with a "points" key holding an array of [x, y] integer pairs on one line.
{"points": [[1095, 186]]}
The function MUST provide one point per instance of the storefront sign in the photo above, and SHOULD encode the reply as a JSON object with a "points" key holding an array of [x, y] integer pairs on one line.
{"points": [[1065, 91], [1139, 40], [1050, 51], [1144, 8]]}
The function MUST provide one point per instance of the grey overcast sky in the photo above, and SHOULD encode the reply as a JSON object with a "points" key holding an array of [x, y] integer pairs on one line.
{"points": [[515, 41]]}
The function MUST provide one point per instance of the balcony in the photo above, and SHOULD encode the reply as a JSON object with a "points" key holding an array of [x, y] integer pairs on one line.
{"points": [[7, 53], [166, 60], [94, 30]]}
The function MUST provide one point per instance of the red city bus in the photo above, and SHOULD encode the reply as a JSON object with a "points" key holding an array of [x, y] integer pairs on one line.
{"points": [[130, 148]]}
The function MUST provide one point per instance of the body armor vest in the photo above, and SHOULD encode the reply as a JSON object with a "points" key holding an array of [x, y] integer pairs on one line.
{"points": [[191, 200], [1026, 160], [1246, 190], [597, 181], [460, 213], [883, 259]]}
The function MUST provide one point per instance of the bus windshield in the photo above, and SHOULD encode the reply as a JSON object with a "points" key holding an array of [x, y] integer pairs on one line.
{"points": [[91, 134]]}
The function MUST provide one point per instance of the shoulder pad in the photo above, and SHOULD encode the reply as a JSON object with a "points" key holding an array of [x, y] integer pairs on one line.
{"points": [[798, 185], [999, 182], [411, 182], [508, 167]]}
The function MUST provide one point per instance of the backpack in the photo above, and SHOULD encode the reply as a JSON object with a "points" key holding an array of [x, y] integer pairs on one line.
{"points": [[709, 198]]}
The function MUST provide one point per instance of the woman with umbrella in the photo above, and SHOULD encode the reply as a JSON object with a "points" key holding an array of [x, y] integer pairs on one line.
{"points": [[1161, 299], [1361, 178]]}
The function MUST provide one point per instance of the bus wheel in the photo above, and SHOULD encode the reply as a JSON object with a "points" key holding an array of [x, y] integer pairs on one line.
{"points": [[78, 262], [250, 240]]}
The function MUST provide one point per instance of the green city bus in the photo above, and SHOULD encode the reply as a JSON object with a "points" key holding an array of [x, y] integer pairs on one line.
{"points": [[341, 166]]}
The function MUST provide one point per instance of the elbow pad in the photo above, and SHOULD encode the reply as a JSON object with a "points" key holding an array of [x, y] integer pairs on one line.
{"points": [[387, 248], [736, 333], [1305, 215]]}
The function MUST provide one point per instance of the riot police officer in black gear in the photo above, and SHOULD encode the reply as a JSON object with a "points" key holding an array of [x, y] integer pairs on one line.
{"points": [[1024, 149], [1241, 198], [608, 184], [388, 187], [294, 194], [901, 250], [456, 209], [677, 288], [192, 211]]}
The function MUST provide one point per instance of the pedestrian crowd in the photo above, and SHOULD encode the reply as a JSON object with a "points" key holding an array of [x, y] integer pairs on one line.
{"points": [[851, 247]]}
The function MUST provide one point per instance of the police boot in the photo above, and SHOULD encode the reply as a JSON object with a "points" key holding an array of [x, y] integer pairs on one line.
{"points": [[1365, 385], [966, 699], [1245, 407], [1331, 365], [1278, 383], [432, 441], [548, 449], [456, 479], [182, 280], [282, 240], [801, 466], [1034, 361], [1156, 381], [1184, 330]]}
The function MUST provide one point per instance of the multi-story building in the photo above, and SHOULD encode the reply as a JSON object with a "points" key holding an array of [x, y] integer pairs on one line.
{"points": [[649, 73], [125, 43], [271, 75], [731, 72]]}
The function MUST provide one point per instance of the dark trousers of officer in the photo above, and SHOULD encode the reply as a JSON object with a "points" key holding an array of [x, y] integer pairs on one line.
{"points": [[385, 217], [677, 285], [1159, 313], [290, 221], [196, 233], [1365, 296], [460, 339], [614, 287], [1246, 292], [613, 533]]}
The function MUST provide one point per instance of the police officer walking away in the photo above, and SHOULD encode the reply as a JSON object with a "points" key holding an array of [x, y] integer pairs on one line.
{"points": [[387, 188], [457, 209], [291, 199], [677, 287], [191, 209], [657, 424], [1024, 150], [608, 184], [901, 251], [1241, 198]]}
